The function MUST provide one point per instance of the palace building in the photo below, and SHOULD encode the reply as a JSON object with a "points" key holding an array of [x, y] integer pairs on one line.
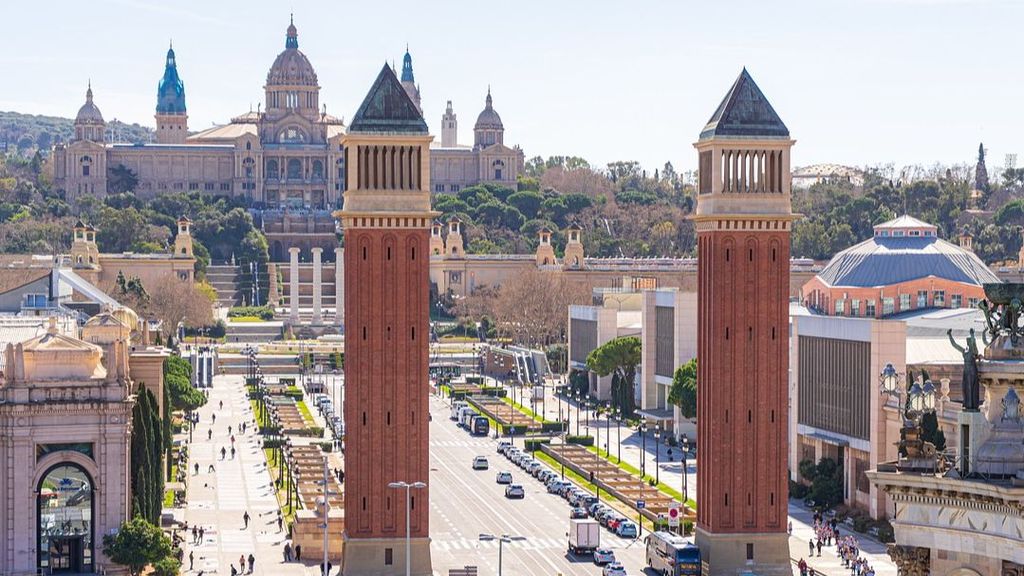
{"points": [[285, 156]]}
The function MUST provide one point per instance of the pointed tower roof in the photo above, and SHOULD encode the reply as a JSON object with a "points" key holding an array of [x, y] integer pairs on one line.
{"points": [[407, 75], [745, 113], [388, 108], [292, 38], [170, 93]]}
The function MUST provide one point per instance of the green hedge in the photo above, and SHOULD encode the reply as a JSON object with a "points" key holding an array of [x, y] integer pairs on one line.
{"points": [[549, 426], [580, 440], [514, 430], [474, 380], [270, 444], [494, 391], [312, 431], [286, 381], [535, 444], [294, 392], [325, 446], [261, 312]]}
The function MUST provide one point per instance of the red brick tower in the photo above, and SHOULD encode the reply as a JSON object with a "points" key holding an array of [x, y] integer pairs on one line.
{"points": [[743, 221], [387, 218]]}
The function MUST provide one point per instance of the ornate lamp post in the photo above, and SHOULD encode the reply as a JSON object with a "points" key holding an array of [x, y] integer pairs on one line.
{"points": [[685, 447], [642, 429], [618, 434], [889, 381], [657, 451]]}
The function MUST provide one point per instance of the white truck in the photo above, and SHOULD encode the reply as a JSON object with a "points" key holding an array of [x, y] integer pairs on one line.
{"points": [[457, 406], [584, 536]]}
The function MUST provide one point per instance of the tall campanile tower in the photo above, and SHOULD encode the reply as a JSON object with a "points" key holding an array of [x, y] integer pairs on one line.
{"points": [[743, 220], [387, 218]]}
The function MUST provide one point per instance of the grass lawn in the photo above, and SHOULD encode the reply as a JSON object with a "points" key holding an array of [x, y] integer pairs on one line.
{"points": [[662, 487], [306, 414], [288, 512], [526, 411], [584, 483]]}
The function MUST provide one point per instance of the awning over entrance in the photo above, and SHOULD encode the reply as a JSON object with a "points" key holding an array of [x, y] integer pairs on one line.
{"points": [[659, 414]]}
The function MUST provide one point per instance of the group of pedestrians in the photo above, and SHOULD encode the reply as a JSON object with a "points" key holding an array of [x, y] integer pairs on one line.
{"points": [[847, 548]]}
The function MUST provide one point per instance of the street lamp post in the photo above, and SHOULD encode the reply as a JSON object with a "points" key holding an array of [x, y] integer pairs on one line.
{"points": [[408, 512], [685, 442], [504, 539], [657, 451], [618, 435], [642, 429]]}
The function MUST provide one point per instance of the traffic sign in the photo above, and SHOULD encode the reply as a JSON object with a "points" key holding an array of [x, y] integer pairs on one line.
{"points": [[640, 504], [673, 515]]}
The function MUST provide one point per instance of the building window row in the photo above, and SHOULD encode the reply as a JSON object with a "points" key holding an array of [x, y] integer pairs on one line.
{"points": [[938, 300]]}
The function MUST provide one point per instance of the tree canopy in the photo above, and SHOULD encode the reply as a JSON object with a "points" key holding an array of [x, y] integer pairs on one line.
{"points": [[618, 357], [684, 389], [137, 544]]}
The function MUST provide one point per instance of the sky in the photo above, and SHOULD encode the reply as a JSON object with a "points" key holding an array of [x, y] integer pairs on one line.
{"points": [[858, 82]]}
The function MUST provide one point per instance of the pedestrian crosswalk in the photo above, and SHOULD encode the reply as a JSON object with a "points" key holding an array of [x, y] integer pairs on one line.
{"points": [[465, 544], [467, 443]]}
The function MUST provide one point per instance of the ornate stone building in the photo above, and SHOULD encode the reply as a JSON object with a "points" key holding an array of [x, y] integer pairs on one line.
{"points": [[65, 409], [964, 515], [454, 166]]}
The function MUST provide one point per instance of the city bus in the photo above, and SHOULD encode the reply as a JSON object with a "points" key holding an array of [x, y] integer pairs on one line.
{"points": [[670, 554]]}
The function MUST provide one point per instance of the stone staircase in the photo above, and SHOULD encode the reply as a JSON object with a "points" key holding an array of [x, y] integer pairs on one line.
{"points": [[237, 364], [253, 332], [225, 280], [233, 284]]}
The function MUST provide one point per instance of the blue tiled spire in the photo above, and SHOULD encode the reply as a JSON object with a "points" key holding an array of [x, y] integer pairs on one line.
{"points": [[170, 94], [407, 66], [292, 38]]}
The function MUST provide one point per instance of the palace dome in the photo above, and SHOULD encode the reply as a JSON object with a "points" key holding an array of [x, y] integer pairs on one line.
{"points": [[488, 118], [89, 113], [291, 67], [902, 250]]}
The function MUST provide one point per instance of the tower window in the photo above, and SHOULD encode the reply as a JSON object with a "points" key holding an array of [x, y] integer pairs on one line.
{"points": [[364, 332], [388, 503], [750, 551], [389, 556], [364, 424], [364, 503], [413, 253], [773, 415], [751, 254], [389, 418], [771, 498], [389, 252], [413, 332], [364, 252], [726, 498], [750, 416], [726, 254], [412, 502]]}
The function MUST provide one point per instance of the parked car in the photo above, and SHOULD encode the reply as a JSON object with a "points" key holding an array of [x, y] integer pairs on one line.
{"points": [[626, 529], [515, 491], [613, 569], [533, 467], [603, 556], [577, 513], [588, 501], [504, 477], [566, 489], [480, 463], [543, 475], [596, 507], [614, 520], [555, 487], [503, 445]]}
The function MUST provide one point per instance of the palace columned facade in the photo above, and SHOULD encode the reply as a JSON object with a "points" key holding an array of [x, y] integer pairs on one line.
{"points": [[284, 157]]}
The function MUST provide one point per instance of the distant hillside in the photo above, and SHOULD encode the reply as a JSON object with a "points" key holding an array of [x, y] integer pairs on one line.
{"points": [[23, 134]]}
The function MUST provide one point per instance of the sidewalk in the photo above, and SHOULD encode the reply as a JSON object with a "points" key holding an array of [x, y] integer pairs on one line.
{"points": [[217, 501], [829, 562]]}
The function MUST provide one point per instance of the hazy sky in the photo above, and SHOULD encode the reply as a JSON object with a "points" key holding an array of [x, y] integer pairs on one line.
{"points": [[856, 81]]}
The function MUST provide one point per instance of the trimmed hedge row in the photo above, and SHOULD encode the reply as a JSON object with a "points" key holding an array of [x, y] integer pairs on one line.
{"points": [[580, 440], [535, 443]]}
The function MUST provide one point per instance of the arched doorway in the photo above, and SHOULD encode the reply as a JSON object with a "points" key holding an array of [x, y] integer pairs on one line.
{"points": [[65, 518], [277, 252]]}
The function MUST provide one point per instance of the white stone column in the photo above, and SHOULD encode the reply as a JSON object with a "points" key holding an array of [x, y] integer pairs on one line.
{"points": [[293, 286], [339, 287], [317, 285]]}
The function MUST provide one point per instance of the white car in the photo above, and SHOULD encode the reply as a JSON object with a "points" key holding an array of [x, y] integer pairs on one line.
{"points": [[515, 491], [613, 569], [480, 463], [504, 477]]}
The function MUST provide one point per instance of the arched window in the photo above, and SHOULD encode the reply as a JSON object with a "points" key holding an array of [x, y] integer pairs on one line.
{"points": [[248, 164], [248, 145], [272, 171], [86, 162], [318, 169], [64, 525], [295, 169], [291, 135]]}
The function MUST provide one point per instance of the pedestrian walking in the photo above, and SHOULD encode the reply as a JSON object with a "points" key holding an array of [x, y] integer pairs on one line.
{"points": [[202, 532], [287, 551], [209, 434], [222, 452], [232, 439], [245, 518], [229, 428], [252, 560], [232, 452], [298, 552], [234, 571], [213, 418], [195, 534], [280, 522], [211, 469], [221, 404], [191, 560], [819, 547], [241, 563], [810, 547], [197, 468]]}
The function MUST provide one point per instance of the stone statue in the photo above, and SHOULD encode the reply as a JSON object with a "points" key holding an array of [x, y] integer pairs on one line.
{"points": [[970, 385]]}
